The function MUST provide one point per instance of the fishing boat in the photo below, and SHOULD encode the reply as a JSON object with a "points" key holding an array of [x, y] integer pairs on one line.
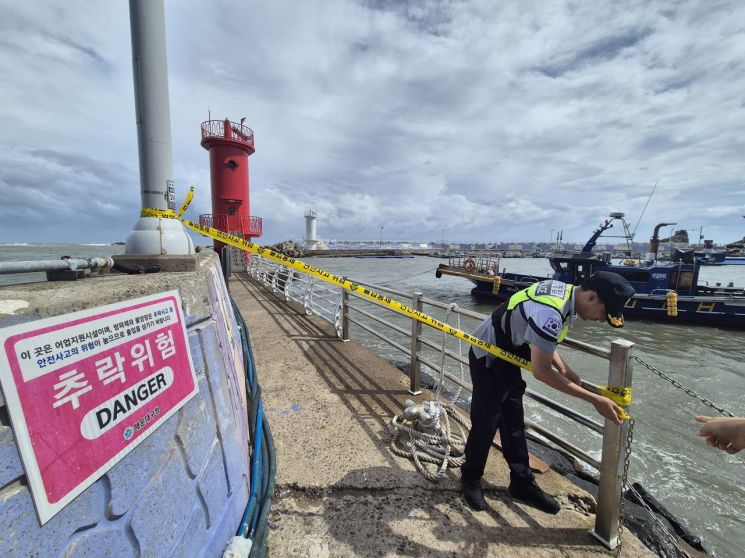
{"points": [[485, 273], [709, 255], [666, 290]]}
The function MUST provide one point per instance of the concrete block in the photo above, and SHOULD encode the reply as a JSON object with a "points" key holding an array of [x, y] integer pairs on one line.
{"points": [[193, 538], [167, 262], [108, 542], [160, 518], [233, 444], [213, 485], [197, 355], [131, 475], [183, 478], [23, 537], [10, 464], [217, 377], [234, 464], [196, 429], [227, 525]]}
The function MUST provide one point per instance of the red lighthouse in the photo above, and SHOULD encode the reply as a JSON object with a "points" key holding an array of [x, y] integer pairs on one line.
{"points": [[229, 145]]}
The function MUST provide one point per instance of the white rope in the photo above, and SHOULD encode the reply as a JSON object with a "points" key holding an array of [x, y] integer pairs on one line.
{"points": [[423, 433]]}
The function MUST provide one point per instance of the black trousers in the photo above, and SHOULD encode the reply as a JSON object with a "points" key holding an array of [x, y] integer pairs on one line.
{"points": [[497, 403]]}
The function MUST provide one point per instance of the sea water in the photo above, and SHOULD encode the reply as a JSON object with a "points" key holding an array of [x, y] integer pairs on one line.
{"points": [[701, 486]]}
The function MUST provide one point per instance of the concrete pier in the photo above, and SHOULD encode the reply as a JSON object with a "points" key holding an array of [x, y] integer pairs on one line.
{"points": [[341, 492]]}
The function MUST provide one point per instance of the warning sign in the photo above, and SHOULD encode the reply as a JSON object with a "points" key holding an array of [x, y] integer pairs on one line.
{"points": [[84, 389]]}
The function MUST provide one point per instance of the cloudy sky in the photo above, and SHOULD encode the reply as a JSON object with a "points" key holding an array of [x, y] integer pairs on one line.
{"points": [[473, 120]]}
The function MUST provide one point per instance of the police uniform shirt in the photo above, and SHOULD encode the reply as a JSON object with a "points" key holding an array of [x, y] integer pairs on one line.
{"points": [[539, 327]]}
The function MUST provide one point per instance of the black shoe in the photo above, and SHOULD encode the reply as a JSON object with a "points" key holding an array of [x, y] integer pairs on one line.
{"points": [[473, 494], [531, 493]]}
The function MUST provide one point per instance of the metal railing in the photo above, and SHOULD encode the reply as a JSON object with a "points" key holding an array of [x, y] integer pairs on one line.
{"points": [[225, 129], [343, 308], [249, 225]]}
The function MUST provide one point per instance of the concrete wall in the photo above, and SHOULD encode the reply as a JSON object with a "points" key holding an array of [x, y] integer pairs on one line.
{"points": [[183, 490]]}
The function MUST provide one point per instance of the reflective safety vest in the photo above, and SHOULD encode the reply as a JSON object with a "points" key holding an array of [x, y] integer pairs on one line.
{"points": [[551, 293]]}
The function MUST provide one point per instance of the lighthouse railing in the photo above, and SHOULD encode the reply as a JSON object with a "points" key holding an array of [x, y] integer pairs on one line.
{"points": [[215, 129]]}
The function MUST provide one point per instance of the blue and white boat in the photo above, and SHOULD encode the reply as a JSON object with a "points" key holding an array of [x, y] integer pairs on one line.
{"points": [[660, 285]]}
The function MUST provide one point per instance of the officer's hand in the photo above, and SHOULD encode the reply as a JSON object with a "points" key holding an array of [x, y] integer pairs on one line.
{"points": [[608, 409]]}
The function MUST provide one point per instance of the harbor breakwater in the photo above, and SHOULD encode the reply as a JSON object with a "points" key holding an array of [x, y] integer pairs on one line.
{"points": [[183, 489]]}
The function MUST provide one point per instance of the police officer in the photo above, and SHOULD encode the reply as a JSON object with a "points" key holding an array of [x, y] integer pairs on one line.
{"points": [[530, 325]]}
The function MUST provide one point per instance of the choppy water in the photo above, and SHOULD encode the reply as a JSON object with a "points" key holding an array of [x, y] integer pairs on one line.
{"points": [[704, 488]]}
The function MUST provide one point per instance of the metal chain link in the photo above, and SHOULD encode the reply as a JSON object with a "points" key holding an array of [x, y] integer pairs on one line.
{"points": [[680, 386], [671, 537], [624, 476], [625, 485]]}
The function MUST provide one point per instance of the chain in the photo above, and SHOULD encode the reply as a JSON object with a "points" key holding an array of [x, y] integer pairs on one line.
{"points": [[624, 482], [678, 385], [625, 485], [672, 538]]}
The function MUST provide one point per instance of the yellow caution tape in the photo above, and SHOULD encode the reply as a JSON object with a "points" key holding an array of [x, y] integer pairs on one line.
{"points": [[162, 213], [619, 394], [169, 213], [369, 294], [187, 201]]}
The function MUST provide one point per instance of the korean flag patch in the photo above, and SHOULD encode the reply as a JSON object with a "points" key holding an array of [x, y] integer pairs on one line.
{"points": [[552, 326]]}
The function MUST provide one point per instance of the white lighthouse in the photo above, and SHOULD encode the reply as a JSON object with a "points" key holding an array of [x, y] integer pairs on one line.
{"points": [[311, 242]]}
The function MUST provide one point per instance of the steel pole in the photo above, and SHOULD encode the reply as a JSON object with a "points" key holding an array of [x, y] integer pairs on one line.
{"points": [[153, 235], [610, 485], [415, 372]]}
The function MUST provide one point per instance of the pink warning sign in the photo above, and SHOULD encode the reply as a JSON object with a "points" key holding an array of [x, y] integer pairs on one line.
{"points": [[84, 389]]}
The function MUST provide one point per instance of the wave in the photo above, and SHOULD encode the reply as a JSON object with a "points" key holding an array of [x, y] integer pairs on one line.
{"points": [[14, 244]]}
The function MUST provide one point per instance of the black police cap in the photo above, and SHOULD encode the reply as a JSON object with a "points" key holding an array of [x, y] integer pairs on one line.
{"points": [[613, 290]]}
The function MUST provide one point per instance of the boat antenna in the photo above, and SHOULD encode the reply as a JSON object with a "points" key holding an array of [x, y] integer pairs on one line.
{"points": [[645, 209]]}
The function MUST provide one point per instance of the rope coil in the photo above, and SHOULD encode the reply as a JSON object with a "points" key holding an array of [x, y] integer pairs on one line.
{"points": [[427, 426], [429, 437]]}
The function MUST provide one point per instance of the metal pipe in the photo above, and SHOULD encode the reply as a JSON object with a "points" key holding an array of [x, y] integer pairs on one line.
{"points": [[654, 242], [448, 375], [566, 411], [391, 342], [563, 444], [345, 315], [54, 265], [587, 348], [456, 310], [416, 347], [380, 320], [381, 289], [448, 353]]}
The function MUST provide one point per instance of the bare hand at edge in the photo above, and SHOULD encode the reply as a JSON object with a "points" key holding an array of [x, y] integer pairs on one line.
{"points": [[725, 433]]}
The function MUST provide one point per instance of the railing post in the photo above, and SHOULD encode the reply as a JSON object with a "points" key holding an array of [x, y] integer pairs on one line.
{"points": [[226, 261], [344, 315], [416, 345], [610, 485]]}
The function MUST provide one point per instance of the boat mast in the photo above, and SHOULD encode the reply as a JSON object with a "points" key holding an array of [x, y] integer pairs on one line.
{"points": [[601, 229]]}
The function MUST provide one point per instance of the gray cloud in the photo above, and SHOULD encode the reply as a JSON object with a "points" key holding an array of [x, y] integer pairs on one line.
{"points": [[492, 121]]}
